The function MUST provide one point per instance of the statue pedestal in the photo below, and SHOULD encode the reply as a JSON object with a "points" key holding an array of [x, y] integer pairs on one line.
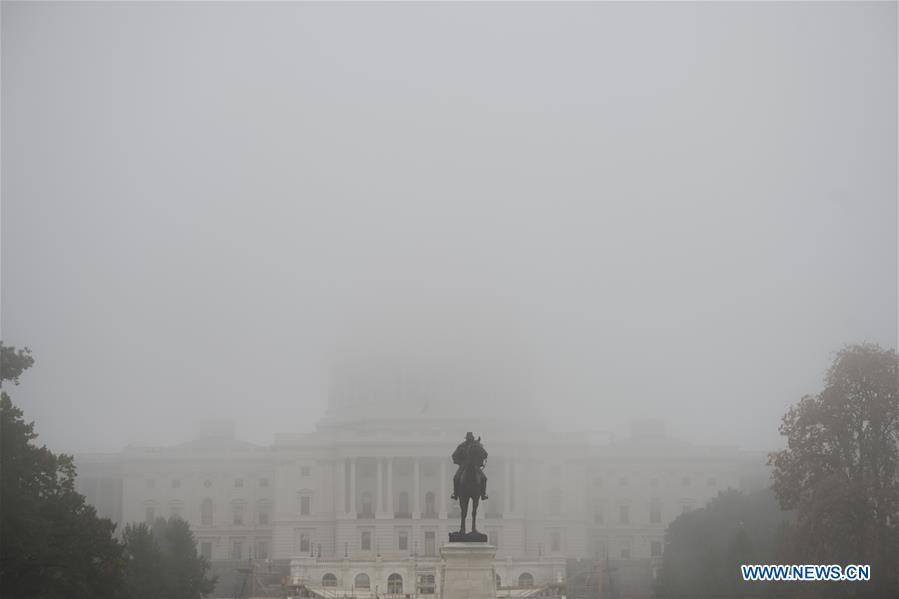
{"points": [[467, 571]]}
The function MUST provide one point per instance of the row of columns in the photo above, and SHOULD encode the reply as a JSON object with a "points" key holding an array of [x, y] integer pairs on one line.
{"points": [[384, 497]]}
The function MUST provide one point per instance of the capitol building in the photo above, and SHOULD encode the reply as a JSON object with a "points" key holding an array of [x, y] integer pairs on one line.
{"points": [[360, 506]]}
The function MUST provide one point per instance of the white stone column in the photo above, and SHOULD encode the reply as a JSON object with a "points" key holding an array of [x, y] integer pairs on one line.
{"points": [[507, 491], [353, 487], [380, 499], [340, 504], [390, 503], [442, 503], [416, 497]]}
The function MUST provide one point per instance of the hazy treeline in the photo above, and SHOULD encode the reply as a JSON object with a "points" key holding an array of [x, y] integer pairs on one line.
{"points": [[52, 544], [837, 482]]}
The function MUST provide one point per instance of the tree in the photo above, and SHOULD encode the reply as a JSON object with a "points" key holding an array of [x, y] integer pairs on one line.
{"points": [[144, 563], [704, 548], [162, 562], [840, 469], [51, 542], [13, 363]]}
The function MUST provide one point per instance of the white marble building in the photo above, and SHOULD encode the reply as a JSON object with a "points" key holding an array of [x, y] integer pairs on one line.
{"points": [[362, 504]]}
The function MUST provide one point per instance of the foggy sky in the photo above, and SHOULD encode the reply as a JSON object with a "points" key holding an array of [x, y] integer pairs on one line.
{"points": [[679, 210]]}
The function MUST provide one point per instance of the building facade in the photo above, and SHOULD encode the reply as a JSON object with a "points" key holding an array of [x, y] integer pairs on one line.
{"points": [[362, 504]]}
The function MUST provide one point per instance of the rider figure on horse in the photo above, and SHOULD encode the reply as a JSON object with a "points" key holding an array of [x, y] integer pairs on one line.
{"points": [[470, 451]]}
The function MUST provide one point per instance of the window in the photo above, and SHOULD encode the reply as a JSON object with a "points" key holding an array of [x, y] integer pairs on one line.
{"points": [[366, 540], [654, 483], [599, 515], [622, 481], [236, 549], [176, 483], [305, 471], [207, 483], [367, 505], [655, 511], [624, 547], [426, 584], [685, 481], [526, 580], [151, 483], [150, 514], [361, 581], [394, 584], [499, 581], [430, 543], [262, 549], [263, 482], [305, 543], [598, 482], [175, 509], [712, 481], [555, 541], [687, 506], [206, 512], [555, 470], [238, 511], [329, 580], [554, 502], [600, 546], [402, 541], [493, 537], [263, 515], [206, 550], [624, 514], [403, 504], [655, 549], [305, 505], [238, 483], [429, 505]]}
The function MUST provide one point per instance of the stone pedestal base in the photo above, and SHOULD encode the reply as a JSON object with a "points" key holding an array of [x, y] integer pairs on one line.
{"points": [[469, 537], [467, 571]]}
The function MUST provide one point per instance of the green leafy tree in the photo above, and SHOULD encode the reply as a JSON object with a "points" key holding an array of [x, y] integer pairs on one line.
{"points": [[162, 562], [704, 548], [840, 469], [51, 542], [13, 362], [144, 563]]}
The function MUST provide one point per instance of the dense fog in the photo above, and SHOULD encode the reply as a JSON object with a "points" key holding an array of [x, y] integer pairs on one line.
{"points": [[612, 210]]}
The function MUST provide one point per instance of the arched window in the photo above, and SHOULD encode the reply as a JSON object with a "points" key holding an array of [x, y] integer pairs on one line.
{"points": [[395, 584], [526, 580], [403, 503], [206, 512], [366, 504], [499, 581], [361, 581], [429, 504], [329, 580]]}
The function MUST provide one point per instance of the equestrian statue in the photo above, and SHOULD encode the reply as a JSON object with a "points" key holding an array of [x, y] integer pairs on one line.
{"points": [[469, 483]]}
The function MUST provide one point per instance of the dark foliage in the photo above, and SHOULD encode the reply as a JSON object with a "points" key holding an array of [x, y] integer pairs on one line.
{"points": [[840, 470], [51, 542], [705, 548], [162, 562]]}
